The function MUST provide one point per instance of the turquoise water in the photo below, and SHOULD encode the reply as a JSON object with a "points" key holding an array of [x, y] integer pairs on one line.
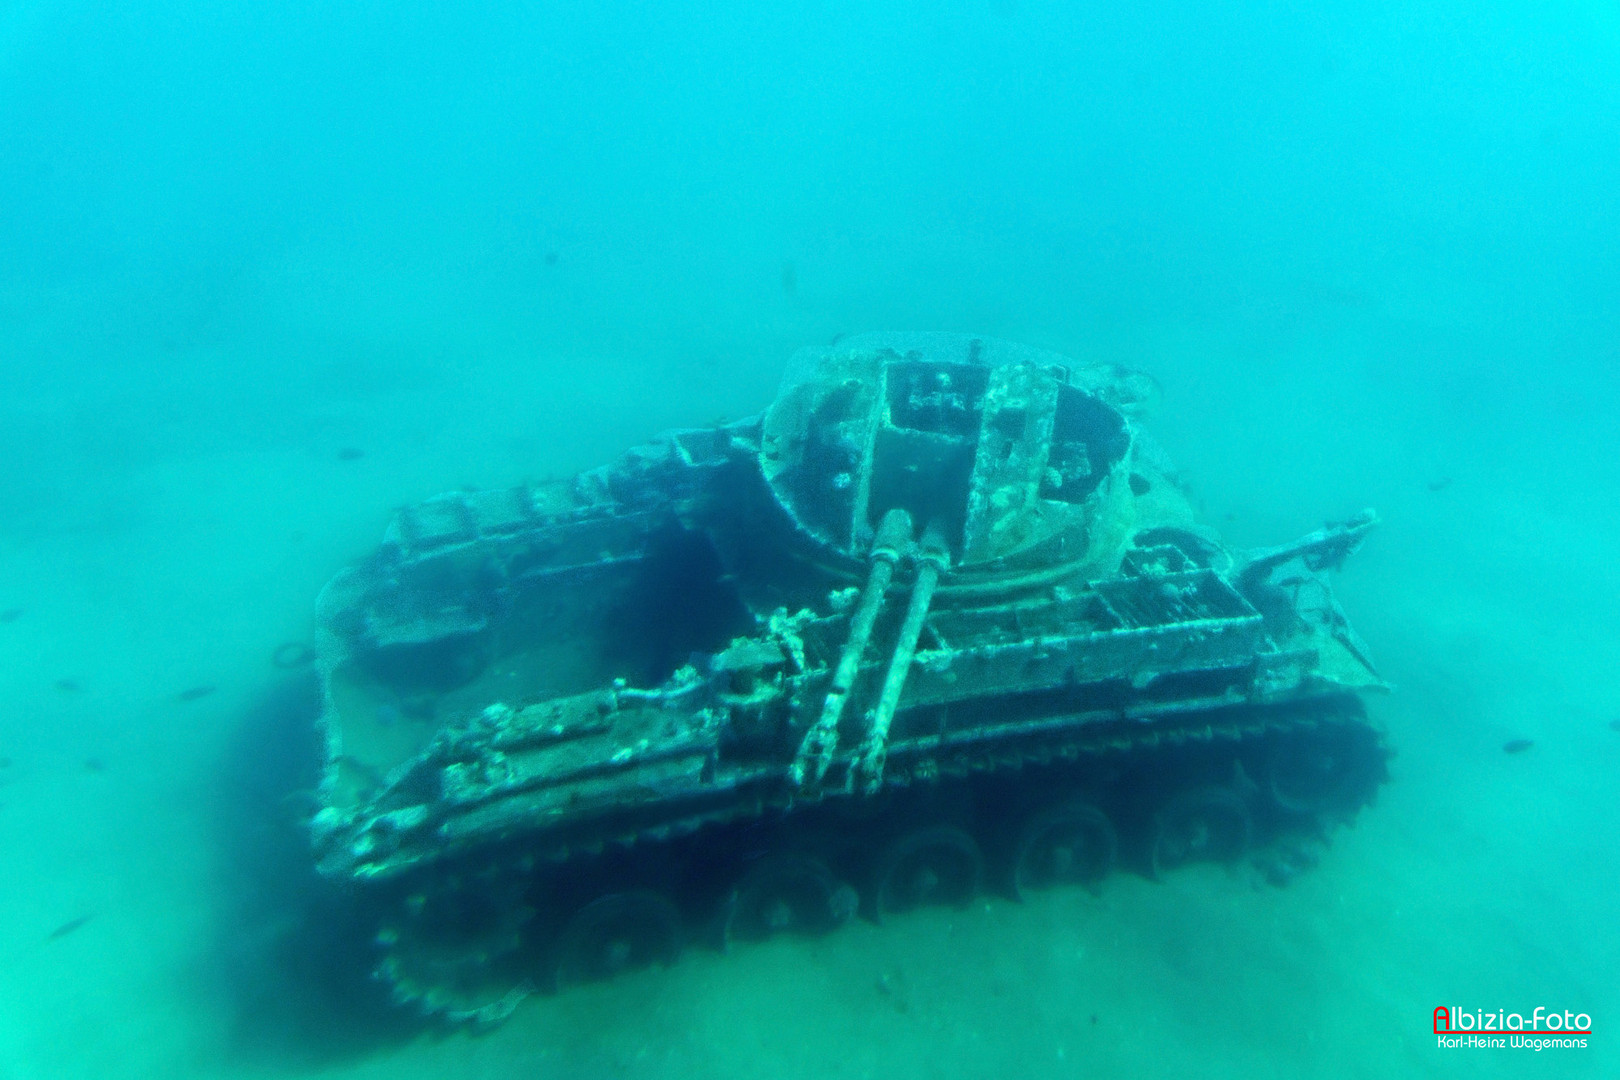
{"points": [[266, 274]]}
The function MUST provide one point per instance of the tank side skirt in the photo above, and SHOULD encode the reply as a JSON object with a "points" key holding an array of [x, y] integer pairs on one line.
{"points": [[654, 806]]}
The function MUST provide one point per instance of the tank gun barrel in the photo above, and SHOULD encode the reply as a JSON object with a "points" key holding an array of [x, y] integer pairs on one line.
{"points": [[816, 752], [1323, 549], [932, 559]]}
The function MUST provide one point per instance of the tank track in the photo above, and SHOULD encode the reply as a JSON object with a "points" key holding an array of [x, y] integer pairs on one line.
{"points": [[467, 941]]}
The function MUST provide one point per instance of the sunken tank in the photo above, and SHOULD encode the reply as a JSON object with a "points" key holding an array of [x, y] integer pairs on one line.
{"points": [[939, 622]]}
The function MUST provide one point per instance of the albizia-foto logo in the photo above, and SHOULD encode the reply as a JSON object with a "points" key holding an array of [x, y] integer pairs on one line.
{"points": [[1538, 1029]]}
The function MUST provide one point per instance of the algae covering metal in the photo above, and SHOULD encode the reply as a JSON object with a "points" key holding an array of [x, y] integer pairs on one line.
{"points": [[944, 597]]}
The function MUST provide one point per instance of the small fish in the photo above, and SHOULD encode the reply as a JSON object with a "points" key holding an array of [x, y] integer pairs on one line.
{"points": [[11, 614], [68, 686], [1439, 483], [195, 692], [95, 765], [68, 927], [1614, 725], [1516, 746], [351, 453]]}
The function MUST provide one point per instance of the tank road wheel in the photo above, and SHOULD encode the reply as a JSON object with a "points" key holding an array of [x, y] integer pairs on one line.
{"points": [[1322, 772], [1069, 844], [938, 866], [1209, 824], [787, 894], [617, 933], [454, 952]]}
